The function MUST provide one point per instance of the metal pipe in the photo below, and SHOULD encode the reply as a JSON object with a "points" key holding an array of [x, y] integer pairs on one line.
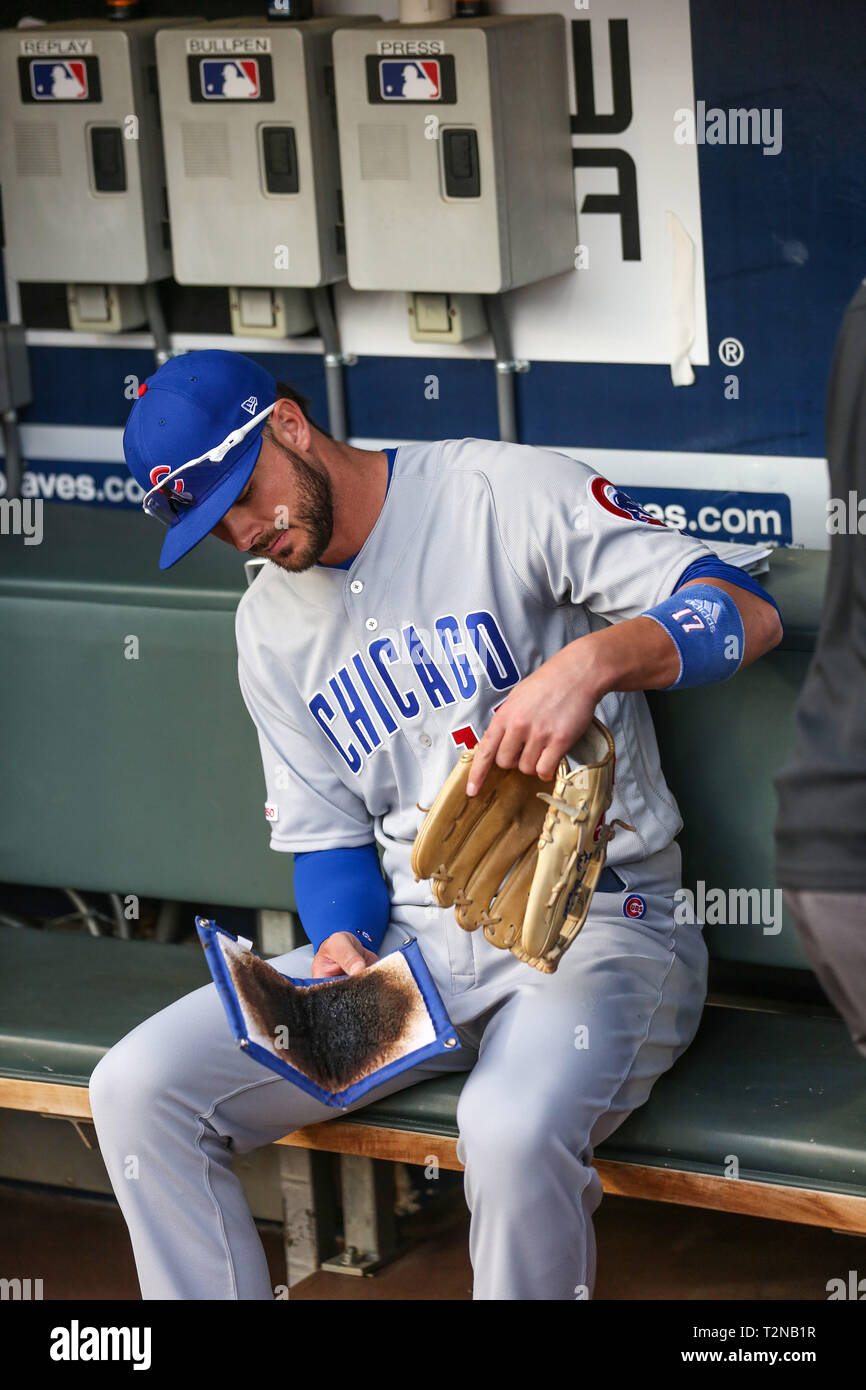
{"points": [[12, 448], [335, 388], [505, 406], [425, 11], [85, 912], [169, 925], [335, 360], [156, 321], [9, 919], [123, 928], [506, 366]]}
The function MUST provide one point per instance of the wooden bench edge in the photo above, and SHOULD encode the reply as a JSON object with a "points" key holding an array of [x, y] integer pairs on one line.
{"points": [[805, 1206], [68, 1102]]}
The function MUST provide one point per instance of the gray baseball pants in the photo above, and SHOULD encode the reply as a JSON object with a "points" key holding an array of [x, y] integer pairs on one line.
{"points": [[555, 1063]]}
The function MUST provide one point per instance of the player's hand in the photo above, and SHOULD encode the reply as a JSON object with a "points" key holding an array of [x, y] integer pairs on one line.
{"points": [[539, 721], [341, 954]]}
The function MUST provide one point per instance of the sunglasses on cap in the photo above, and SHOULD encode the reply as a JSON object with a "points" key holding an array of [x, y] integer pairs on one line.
{"points": [[172, 495]]}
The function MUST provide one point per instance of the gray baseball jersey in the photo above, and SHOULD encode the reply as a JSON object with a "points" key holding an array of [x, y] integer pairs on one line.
{"points": [[365, 683]]}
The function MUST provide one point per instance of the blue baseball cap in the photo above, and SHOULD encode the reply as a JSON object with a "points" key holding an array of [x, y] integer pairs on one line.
{"points": [[191, 406]]}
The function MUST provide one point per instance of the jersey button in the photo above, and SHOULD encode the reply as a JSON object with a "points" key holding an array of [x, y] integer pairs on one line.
{"points": [[425, 739], [371, 624], [356, 586]]}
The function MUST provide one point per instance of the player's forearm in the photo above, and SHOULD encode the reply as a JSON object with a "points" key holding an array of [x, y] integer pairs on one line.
{"points": [[633, 655], [638, 654]]}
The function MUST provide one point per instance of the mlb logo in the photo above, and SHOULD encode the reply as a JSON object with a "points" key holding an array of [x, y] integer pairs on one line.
{"points": [[413, 80], [233, 79], [59, 81]]}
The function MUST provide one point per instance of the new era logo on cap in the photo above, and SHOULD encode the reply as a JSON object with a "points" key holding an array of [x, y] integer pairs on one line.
{"points": [[251, 404]]}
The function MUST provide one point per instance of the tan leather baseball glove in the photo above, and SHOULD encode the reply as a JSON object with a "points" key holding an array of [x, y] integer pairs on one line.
{"points": [[516, 859]]}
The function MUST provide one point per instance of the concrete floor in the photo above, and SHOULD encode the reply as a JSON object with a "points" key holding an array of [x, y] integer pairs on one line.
{"points": [[79, 1246]]}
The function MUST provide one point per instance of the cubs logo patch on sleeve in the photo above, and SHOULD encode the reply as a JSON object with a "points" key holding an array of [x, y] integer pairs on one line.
{"points": [[615, 502]]}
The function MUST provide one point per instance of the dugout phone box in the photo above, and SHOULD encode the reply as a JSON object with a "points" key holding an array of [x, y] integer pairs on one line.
{"points": [[81, 155], [455, 145], [251, 153]]}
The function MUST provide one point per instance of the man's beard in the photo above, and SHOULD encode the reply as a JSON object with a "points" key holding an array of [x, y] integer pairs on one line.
{"points": [[314, 512]]}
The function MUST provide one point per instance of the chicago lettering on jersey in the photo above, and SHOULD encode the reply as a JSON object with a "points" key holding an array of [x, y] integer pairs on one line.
{"points": [[377, 691]]}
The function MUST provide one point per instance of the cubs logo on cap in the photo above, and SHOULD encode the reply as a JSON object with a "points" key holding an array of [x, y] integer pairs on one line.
{"points": [[162, 470]]}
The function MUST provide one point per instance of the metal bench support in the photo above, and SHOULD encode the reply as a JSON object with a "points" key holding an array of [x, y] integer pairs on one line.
{"points": [[370, 1236], [309, 1210]]}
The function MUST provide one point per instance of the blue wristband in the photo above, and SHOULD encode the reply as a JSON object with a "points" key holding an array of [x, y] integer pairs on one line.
{"points": [[707, 629]]}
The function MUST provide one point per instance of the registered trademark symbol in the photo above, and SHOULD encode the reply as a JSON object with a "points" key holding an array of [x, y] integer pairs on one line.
{"points": [[731, 352]]}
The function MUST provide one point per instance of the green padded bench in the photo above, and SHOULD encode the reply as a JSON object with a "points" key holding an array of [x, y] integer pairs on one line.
{"points": [[66, 998], [146, 778], [146, 775], [785, 1093]]}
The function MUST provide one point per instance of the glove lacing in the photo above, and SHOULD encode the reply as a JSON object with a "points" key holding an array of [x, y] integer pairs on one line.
{"points": [[485, 918]]}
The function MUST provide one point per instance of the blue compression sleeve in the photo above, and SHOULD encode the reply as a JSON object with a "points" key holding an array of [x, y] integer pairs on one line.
{"points": [[342, 890], [714, 568]]}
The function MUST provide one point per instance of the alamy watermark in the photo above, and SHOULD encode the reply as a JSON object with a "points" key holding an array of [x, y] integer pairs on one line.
{"points": [[77, 1343], [730, 907], [846, 516], [738, 126], [22, 517], [21, 1290]]}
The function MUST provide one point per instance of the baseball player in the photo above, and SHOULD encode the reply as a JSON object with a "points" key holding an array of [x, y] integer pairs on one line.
{"points": [[417, 601]]}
